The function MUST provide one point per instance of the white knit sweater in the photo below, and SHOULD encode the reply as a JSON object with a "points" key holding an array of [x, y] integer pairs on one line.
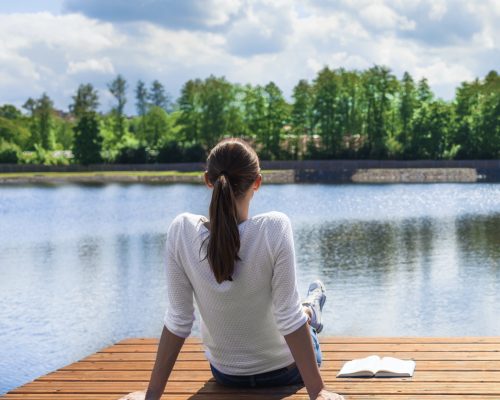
{"points": [[242, 322]]}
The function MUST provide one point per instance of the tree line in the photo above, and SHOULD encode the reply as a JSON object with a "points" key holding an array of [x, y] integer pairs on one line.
{"points": [[368, 114]]}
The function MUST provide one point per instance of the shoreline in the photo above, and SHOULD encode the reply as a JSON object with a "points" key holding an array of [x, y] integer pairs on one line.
{"points": [[361, 175], [274, 171], [148, 177]]}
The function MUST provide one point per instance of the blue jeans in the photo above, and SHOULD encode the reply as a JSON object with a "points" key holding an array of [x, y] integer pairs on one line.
{"points": [[279, 377]]}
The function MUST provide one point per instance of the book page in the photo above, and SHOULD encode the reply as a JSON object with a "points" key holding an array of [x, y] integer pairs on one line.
{"points": [[390, 366], [360, 367]]}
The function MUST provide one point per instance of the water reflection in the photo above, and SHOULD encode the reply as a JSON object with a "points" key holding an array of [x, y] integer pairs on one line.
{"points": [[424, 276], [479, 238]]}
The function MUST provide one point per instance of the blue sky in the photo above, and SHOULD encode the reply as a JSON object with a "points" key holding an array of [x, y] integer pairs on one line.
{"points": [[54, 45]]}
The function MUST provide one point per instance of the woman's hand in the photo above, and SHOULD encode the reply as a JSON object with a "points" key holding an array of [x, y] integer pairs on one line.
{"points": [[326, 395], [141, 395]]}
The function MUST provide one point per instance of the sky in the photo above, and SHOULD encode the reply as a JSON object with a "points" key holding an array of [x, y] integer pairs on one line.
{"points": [[53, 46]]}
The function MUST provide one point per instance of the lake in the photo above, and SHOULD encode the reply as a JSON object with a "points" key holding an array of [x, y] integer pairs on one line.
{"points": [[82, 267]]}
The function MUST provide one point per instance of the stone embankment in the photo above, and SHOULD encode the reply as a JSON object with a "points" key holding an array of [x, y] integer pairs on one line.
{"points": [[415, 175]]}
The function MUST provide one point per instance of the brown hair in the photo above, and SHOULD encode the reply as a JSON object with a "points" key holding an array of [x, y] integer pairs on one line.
{"points": [[232, 167]]}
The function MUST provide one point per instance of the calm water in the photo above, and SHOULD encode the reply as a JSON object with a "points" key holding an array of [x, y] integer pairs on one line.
{"points": [[82, 267]]}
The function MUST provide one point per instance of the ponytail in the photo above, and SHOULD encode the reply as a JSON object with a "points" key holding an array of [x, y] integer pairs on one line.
{"points": [[232, 168], [224, 241]]}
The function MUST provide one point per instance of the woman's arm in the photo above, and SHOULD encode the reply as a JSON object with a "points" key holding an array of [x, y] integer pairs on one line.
{"points": [[305, 359], [303, 354], [289, 312], [168, 349]]}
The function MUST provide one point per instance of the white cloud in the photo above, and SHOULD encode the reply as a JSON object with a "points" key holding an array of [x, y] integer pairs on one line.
{"points": [[73, 32], [380, 16], [15, 69], [103, 65], [263, 29], [440, 72], [437, 10], [221, 11], [153, 44], [248, 42]]}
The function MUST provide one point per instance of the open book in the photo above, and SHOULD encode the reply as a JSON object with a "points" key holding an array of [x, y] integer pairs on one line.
{"points": [[374, 366]]}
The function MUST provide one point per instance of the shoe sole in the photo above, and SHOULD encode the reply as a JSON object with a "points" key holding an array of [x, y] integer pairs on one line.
{"points": [[321, 303]]}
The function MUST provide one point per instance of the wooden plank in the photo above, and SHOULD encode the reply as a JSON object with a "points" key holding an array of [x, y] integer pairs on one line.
{"points": [[327, 356], [353, 339], [433, 365], [447, 368], [344, 347], [246, 396], [357, 386], [204, 375]]}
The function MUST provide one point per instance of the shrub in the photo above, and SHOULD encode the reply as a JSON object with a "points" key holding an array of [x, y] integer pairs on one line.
{"points": [[9, 153], [133, 155], [170, 152], [195, 153]]}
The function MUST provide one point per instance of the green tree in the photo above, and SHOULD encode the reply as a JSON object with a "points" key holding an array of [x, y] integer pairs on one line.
{"points": [[141, 95], [345, 113], [277, 115], [236, 122], [490, 121], [254, 111], [467, 117], [189, 102], [110, 147], [157, 127], [10, 112], [88, 141], [420, 132], [43, 113], [326, 88], [348, 116], [430, 127], [302, 114], [13, 126], [30, 106], [407, 105], [216, 98], [118, 88], [64, 134], [158, 96], [13, 131], [424, 92], [85, 100], [477, 110], [380, 87]]}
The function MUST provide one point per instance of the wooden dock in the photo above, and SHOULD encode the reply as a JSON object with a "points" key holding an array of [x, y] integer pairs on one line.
{"points": [[447, 368]]}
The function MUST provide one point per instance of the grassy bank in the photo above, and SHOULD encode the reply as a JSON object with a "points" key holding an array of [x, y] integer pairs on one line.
{"points": [[96, 174], [271, 176]]}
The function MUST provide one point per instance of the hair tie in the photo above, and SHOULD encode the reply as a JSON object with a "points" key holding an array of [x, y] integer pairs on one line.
{"points": [[223, 172]]}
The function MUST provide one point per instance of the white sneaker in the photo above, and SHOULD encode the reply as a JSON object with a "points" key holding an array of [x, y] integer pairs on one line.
{"points": [[316, 298]]}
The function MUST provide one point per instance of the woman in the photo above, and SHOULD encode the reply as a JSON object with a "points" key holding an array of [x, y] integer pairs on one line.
{"points": [[241, 272]]}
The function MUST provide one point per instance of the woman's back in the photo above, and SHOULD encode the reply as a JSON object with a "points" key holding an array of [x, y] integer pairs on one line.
{"points": [[243, 320], [241, 272]]}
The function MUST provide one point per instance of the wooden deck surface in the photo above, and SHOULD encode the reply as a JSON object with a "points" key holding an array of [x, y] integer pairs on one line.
{"points": [[447, 368]]}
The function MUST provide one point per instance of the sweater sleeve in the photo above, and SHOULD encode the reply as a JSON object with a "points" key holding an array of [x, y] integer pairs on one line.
{"points": [[179, 315], [287, 306]]}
